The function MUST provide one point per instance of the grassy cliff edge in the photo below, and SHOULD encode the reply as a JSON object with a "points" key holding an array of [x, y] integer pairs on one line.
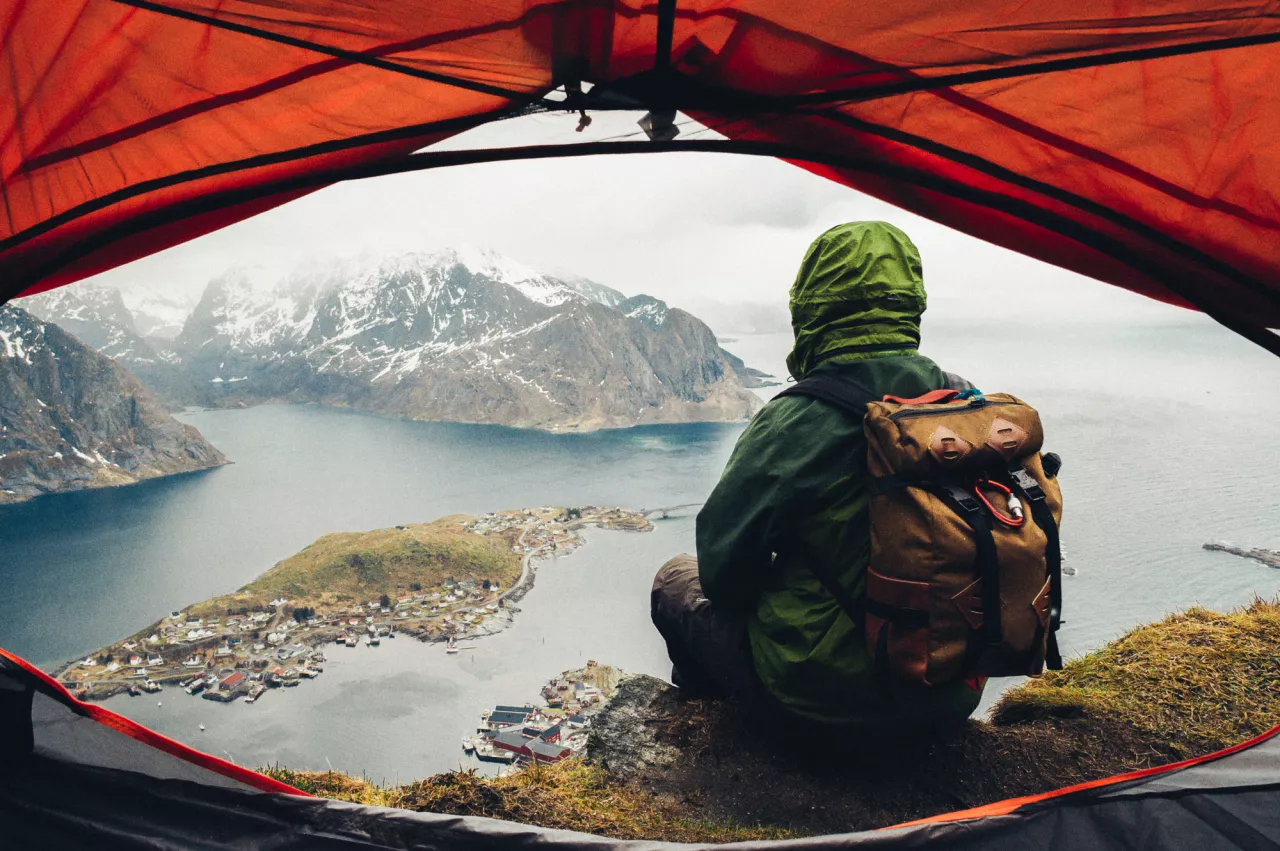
{"points": [[1191, 684]]}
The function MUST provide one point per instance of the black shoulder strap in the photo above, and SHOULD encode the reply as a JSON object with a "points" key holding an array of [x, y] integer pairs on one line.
{"points": [[839, 391], [849, 395], [1043, 518]]}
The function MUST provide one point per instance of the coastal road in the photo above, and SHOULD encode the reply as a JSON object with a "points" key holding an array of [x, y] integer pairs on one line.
{"points": [[524, 565]]}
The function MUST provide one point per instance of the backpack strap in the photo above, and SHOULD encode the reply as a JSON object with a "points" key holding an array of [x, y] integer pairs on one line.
{"points": [[842, 392], [988, 563], [1043, 518], [853, 397]]}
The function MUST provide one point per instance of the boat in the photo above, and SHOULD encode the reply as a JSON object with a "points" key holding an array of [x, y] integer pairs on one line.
{"points": [[307, 672], [468, 744], [255, 691], [201, 728], [351, 641], [197, 686], [373, 641], [491, 754], [291, 681], [451, 647], [134, 691], [151, 686]]}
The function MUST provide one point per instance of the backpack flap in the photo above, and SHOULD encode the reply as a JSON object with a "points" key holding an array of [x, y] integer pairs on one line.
{"points": [[959, 437]]}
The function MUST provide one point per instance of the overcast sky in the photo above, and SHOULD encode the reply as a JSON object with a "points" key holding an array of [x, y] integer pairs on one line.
{"points": [[678, 226]]}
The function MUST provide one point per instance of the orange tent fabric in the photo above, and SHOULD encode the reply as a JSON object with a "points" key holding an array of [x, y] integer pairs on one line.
{"points": [[1134, 142]]}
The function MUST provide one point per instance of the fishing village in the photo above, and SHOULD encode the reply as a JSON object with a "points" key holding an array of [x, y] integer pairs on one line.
{"points": [[547, 732], [454, 579]]}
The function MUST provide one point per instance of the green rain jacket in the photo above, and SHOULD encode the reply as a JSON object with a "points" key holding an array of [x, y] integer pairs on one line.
{"points": [[797, 482]]}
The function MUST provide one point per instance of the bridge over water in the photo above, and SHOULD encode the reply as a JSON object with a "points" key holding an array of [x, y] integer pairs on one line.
{"points": [[667, 510]]}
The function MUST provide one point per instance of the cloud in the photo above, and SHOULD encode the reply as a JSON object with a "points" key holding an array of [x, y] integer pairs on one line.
{"points": [[675, 225]]}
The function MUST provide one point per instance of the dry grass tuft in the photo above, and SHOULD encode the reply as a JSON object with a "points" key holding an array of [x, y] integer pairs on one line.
{"points": [[572, 795]]}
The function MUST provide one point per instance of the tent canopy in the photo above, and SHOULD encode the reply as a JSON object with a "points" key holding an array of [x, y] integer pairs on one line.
{"points": [[1136, 143]]}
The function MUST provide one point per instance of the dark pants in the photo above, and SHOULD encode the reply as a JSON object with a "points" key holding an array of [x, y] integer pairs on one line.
{"points": [[708, 646]]}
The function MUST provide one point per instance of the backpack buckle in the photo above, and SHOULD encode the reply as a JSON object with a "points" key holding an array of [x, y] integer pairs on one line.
{"points": [[963, 497], [1026, 482]]}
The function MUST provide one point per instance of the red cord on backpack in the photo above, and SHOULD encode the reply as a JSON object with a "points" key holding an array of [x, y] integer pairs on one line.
{"points": [[1015, 518]]}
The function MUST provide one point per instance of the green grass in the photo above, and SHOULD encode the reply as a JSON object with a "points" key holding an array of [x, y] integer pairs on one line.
{"points": [[361, 566], [1199, 680]]}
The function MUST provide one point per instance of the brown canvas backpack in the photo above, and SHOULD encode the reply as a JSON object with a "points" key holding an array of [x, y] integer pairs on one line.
{"points": [[965, 575]]}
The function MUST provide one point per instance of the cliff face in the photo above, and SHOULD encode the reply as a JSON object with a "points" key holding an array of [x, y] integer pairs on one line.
{"points": [[71, 418]]}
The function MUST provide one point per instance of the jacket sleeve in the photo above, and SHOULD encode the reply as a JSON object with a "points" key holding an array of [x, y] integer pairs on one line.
{"points": [[782, 459]]}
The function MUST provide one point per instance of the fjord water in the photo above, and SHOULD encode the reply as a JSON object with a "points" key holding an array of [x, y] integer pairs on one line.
{"points": [[1167, 433]]}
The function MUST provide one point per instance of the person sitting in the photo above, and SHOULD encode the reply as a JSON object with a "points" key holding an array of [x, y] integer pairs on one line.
{"points": [[741, 620]]}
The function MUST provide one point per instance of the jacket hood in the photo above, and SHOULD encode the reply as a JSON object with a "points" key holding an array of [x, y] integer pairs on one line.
{"points": [[859, 294]]}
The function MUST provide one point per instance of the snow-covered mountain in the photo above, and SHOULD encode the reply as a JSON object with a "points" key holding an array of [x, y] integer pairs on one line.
{"points": [[460, 335], [98, 317], [158, 313]]}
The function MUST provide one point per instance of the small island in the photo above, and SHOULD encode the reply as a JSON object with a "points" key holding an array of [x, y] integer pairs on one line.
{"points": [[438, 581]]}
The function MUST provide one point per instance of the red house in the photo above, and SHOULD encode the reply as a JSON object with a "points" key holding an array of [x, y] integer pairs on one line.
{"points": [[534, 749]]}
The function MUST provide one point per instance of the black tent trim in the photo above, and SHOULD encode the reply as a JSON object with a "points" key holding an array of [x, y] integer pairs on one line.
{"points": [[88, 777]]}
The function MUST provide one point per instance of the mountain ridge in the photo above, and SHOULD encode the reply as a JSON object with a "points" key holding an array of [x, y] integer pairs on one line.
{"points": [[460, 334]]}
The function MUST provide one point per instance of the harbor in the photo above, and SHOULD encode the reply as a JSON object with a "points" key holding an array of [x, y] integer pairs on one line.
{"points": [[550, 731]]}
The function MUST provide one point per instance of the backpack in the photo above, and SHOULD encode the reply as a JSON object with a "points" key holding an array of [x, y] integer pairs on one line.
{"points": [[965, 576]]}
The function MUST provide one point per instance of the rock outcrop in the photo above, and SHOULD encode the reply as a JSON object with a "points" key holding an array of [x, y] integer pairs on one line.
{"points": [[1189, 685], [1271, 558], [71, 418], [664, 768]]}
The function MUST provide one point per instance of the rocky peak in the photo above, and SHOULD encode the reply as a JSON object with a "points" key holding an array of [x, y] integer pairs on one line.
{"points": [[71, 418], [646, 308], [97, 316]]}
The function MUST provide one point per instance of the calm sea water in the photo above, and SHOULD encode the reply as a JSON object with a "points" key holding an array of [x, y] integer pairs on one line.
{"points": [[1166, 432]]}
